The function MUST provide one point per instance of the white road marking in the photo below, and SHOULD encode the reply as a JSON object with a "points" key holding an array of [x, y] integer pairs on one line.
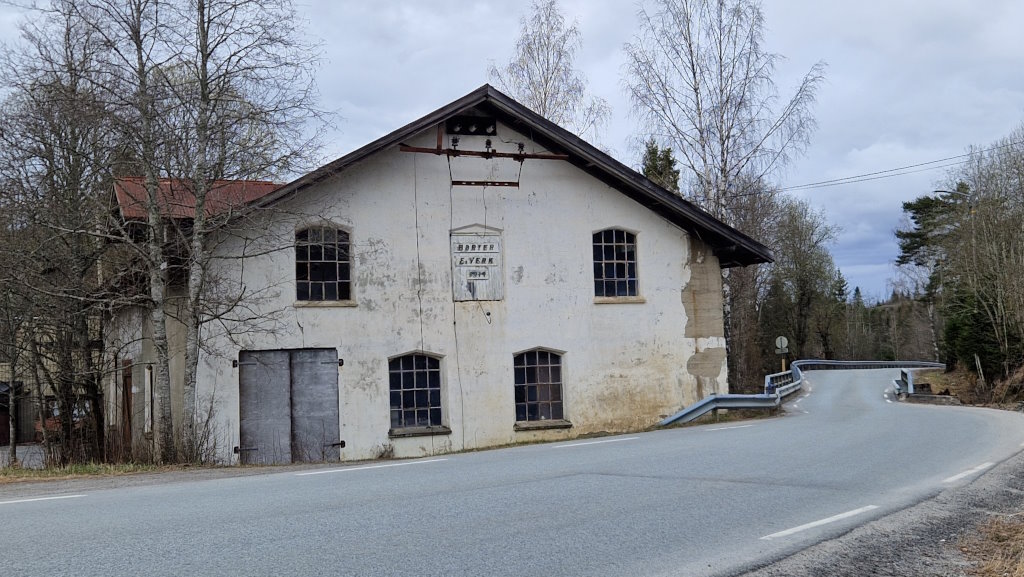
{"points": [[594, 442], [888, 400], [820, 522], [727, 428], [968, 473], [30, 500], [347, 469]]}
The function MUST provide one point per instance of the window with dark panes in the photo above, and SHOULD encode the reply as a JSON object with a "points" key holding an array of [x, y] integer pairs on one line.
{"points": [[323, 265], [538, 387], [415, 383], [615, 263]]}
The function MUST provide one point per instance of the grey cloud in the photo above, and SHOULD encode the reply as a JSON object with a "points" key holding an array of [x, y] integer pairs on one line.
{"points": [[907, 82]]}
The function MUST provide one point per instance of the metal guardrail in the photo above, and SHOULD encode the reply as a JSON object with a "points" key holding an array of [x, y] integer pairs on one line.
{"points": [[905, 384], [777, 386]]}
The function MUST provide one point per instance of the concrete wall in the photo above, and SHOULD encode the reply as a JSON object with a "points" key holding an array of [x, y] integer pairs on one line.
{"points": [[625, 364]]}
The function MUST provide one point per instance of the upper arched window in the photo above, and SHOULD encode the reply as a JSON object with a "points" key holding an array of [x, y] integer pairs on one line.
{"points": [[323, 267], [615, 263]]}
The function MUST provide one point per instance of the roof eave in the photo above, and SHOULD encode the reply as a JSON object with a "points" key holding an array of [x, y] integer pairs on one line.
{"points": [[731, 240], [732, 247]]}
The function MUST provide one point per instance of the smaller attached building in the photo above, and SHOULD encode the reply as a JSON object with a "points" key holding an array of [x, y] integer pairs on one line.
{"points": [[476, 278]]}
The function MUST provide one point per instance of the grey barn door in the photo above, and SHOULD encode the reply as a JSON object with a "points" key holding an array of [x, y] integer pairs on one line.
{"points": [[315, 422], [288, 406]]}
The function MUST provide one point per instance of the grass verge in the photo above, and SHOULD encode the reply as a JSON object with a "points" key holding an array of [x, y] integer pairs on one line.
{"points": [[17, 474], [998, 548]]}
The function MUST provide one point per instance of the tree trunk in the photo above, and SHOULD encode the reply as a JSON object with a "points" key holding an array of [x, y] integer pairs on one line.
{"points": [[934, 333], [155, 238], [12, 412], [197, 254], [158, 316], [40, 399], [92, 384]]}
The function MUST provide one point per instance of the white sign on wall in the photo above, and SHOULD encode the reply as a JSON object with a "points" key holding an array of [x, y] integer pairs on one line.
{"points": [[477, 264]]}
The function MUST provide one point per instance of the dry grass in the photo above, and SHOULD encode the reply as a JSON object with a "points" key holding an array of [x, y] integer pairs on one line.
{"points": [[997, 549], [963, 384], [18, 474], [1010, 390], [959, 382]]}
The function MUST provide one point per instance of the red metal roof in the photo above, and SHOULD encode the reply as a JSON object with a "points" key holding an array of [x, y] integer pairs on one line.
{"points": [[176, 199]]}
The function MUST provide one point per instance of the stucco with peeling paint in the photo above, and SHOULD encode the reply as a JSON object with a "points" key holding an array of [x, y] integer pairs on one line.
{"points": [[625, 366]]}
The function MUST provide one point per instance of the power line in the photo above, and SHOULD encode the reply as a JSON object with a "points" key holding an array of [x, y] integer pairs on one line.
{"points": [[901, 171], [866, 178]]}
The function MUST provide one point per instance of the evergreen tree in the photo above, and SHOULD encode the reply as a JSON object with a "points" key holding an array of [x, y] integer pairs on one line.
{"points": [[659, 165]]}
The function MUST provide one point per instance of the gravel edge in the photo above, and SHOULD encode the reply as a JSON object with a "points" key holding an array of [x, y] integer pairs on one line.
{"points": [[921, 540]]}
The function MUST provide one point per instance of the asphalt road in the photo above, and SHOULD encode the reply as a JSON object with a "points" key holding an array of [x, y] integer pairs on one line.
{"points": [[708, 500]]}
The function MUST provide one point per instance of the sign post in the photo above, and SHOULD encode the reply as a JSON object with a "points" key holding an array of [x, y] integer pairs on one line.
{"points": [[780, 348]]}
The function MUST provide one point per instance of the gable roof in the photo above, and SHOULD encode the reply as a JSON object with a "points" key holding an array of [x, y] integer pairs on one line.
{"points": [[732, 247], [176, 199]]}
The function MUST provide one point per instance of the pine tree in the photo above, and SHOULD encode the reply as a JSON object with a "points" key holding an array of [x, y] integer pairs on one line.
{"points": [[659, 165]]}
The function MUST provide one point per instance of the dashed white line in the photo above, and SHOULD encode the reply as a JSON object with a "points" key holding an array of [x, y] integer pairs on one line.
{"points": [[727, 428], [594, 442], [33, 499], [888, 401], [347, 469], [820, 522], [968, 473]]}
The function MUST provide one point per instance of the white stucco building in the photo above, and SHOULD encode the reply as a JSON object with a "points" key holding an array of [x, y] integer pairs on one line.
{"points": [[481, 276]]}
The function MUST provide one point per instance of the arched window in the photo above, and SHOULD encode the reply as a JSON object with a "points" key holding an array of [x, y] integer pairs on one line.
{"points": [[415, 384], [538, 386], [323, 266], [614, 263]]}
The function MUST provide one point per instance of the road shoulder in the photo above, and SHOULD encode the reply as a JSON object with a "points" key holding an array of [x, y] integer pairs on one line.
{"points": [[923, 540], [42, 487]]}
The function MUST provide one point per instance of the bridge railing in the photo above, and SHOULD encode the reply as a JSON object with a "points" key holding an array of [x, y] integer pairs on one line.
{"points": [[777, 386]]}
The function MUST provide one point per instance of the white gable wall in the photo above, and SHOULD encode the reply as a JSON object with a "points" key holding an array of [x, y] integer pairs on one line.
{"points": [[625, 365]]}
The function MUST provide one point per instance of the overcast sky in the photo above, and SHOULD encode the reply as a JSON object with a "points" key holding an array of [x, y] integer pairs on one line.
{"points": [[907, 82]]}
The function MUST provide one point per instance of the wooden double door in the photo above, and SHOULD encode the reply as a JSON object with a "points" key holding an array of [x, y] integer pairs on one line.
{"points": [[288, 406]]}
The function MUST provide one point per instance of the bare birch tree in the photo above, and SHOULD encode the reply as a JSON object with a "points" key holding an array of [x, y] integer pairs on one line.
{"points": [[244, 99], [135, 58], [54, 159], [702, 81], [204, 91], [541, 73]]}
